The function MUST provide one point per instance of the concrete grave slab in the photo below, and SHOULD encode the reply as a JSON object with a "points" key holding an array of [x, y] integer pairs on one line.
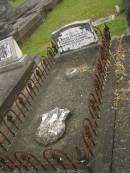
{"points": [[60, 91], [12, 82]]}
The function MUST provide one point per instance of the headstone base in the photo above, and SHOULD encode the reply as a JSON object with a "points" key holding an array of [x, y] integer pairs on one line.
{"points": [[14, 65]]}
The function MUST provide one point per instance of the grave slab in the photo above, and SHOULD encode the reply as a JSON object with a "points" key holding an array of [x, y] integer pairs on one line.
{"points": [[12, 82], [64, 93]]}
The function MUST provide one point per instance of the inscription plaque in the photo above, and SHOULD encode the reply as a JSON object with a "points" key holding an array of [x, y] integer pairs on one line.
{"points": [[10, 54], [74, 36]]}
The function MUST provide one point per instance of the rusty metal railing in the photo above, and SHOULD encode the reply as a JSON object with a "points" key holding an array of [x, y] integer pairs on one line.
{"points": [[90, 124], [22, 103]]}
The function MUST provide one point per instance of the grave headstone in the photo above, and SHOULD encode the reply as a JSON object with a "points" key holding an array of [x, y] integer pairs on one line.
{"points": [[10, 55], [74, 36]]}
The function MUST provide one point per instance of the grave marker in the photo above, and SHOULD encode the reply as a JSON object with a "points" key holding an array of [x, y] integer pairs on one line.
{"points": [[10, 54], [74, 36]]}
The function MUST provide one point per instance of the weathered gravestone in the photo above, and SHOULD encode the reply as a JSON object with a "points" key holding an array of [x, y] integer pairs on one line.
{"points": [[21, 21], [10, 55], [74, 36]]}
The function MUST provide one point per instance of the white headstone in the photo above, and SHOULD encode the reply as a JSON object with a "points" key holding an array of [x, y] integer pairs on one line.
{"points": [[11, 55], [74, 36]]}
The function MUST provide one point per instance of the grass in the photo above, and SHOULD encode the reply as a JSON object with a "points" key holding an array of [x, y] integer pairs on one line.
{"points": [[69, 11], [17, 2]]}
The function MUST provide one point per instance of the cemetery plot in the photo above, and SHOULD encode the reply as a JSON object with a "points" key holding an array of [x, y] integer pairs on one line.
{"points": [[20, 22], [39, 97], [58, 91], [94, 89]]}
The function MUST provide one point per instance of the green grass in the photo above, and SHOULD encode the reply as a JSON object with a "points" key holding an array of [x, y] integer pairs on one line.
{"points": [[17, 2], [69, 11]]}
